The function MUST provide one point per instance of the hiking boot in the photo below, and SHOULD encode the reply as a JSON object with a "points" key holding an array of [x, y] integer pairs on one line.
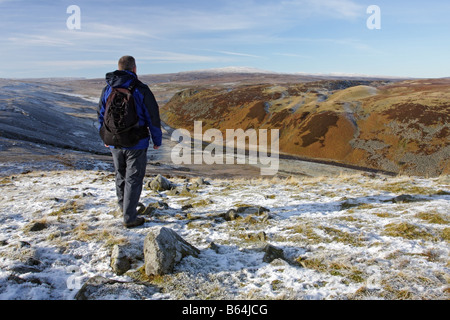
{"points": [[136, 223]]}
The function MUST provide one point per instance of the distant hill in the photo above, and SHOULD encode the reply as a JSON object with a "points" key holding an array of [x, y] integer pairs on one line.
{"points": [[400, 127], [394, 125]]}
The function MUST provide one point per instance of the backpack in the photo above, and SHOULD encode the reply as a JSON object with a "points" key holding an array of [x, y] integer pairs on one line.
{"points": [[121, 122]]}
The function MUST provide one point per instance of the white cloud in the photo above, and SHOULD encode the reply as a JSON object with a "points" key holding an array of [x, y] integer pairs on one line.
{"points": [[176, 57], [239, 54], [107, 31], [38, 40], [76, 64], [342, 9]]}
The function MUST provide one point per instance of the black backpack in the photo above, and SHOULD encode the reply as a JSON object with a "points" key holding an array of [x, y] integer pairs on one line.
{"points": [[121, 122]]}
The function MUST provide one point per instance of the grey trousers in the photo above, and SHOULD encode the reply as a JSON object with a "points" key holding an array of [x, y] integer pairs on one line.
{"points": [[130, 166]]}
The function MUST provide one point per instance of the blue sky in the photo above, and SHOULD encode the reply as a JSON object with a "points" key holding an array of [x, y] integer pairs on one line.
{"points": [[310, 36]]}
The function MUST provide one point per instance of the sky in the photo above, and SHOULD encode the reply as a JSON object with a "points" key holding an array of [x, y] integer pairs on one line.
{"points": [[45, 39]]}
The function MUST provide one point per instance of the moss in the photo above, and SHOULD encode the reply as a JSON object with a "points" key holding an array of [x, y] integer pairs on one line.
{"points": [[300, 233], [70, 207], [334, 268], [140, 275], [383, 214], [84, 232], [405, 187], [407, 231], [201, 203], [276, 285], [344, 237], [445, 234], [432, 217]]}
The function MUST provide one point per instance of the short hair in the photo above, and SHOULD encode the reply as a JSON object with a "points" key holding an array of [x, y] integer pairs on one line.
{"points": [[127, 63]]}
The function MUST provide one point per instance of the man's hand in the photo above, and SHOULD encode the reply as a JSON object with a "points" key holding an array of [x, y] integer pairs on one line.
{"points": [[156, 147], [106, 146]]}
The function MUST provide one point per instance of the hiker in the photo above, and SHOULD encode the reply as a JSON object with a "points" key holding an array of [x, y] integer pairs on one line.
{"points": [[130, 157]]}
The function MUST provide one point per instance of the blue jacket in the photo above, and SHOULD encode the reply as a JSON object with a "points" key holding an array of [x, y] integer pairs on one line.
{"points": [[147, 107]]}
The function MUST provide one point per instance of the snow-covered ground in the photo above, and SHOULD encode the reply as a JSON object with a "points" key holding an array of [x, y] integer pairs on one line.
{"points": [[347, 237]]}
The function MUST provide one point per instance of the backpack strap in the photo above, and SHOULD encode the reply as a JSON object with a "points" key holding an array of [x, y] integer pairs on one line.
{"points": [[133, 85]]}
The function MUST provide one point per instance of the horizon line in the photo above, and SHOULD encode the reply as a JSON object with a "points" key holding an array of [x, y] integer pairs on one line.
{"points": [[236, 70]]}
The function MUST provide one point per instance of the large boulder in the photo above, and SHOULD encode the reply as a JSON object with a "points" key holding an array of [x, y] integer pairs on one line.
{"points": [[163, 249]]}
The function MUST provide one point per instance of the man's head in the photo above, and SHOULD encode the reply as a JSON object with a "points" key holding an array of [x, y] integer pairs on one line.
{"points": [[127, 63]]}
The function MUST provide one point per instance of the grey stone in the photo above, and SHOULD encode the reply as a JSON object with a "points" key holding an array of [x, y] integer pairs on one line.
{"points": [[22, 268], [252, 210], [272, 253], [200, 182], [120, 263], [160, 183], [101, 288], [231, 215], [163, 249], [405, 198], [38, 226], [123, 257]]}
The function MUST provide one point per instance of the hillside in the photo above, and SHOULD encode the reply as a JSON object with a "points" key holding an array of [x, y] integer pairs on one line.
{"points": [[399, 127], [336, 233], [347, 237]]}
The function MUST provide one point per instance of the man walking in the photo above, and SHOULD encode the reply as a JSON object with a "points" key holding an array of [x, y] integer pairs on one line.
{"points": [[130, 162]]}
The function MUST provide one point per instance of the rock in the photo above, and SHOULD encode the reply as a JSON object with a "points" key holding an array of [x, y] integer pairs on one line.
{"points": [[123, 257], [120, 263], [279, 263], [160, 183], [159, 205], [163, 249], [258, 210], [214, 247], [152, 207], [231, 215], [150, 210], [24, 244], [272, 253], [200, 182], [186, 207], [22, 268], [38, 226], [101, 288], [404, 198]]}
